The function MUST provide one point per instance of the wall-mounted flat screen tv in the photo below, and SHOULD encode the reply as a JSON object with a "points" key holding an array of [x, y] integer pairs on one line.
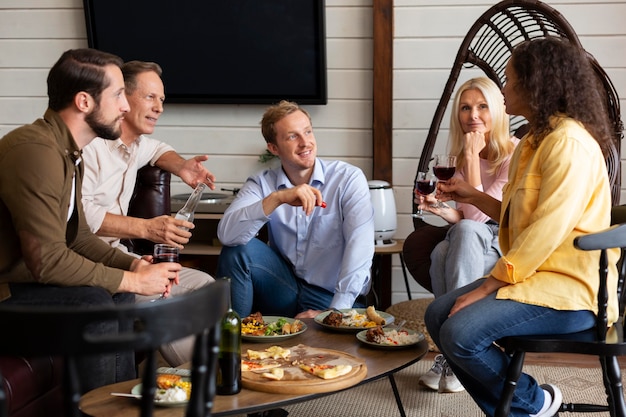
{"points": [[220, 51]]}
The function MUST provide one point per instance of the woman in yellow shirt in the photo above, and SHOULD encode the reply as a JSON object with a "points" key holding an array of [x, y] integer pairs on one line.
{"points": [[558, 189]]}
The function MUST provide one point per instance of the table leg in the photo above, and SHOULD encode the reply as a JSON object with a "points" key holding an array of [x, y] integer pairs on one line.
{"points": [[406, 279], [396, 394]]}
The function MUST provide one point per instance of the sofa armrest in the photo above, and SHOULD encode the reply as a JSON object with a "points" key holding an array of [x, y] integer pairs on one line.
{"points": [[151, 198]]}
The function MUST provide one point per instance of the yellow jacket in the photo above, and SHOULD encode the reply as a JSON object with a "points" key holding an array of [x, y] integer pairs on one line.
{"points": [[555, 193]]}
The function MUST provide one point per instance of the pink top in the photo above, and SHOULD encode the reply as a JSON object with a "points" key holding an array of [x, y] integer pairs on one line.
{"points": [[491, 184]]}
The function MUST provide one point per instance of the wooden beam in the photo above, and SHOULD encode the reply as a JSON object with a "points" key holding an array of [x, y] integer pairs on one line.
{"points": [[383, 90], [382, 119]]}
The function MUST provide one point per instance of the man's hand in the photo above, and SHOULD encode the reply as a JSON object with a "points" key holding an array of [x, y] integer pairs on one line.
{"points": [[193, 172], [150, 279], [309, 314], [166, 229], [302, 195]]}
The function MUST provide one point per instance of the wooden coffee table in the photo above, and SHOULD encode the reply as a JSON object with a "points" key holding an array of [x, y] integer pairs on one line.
{"points": [[380, 363]]}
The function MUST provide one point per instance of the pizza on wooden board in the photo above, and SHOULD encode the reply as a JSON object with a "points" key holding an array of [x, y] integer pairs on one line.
{"points": [[272, 362], [327, 371], [247, 365]]}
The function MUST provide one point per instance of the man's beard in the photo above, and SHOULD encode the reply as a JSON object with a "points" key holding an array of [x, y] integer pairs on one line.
{"points": [[109, 131]]}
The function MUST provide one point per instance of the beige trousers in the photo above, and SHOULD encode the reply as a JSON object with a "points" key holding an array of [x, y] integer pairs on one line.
{"points": [[180, 351]]}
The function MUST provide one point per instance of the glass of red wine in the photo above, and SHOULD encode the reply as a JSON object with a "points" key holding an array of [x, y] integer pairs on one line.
{"points": [[444, 168], [164, 253], [425, 184]]}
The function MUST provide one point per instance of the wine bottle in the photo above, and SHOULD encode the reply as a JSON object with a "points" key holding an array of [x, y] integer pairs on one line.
{"points": [[229, 357], [188, 210]]}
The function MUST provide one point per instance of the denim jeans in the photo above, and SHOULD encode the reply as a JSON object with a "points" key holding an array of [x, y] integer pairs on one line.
{"points": [[95, 370], [261, 280], [467, 341]]}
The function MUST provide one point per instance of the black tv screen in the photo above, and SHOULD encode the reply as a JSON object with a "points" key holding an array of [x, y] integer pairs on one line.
{"points": [[220, 51]]}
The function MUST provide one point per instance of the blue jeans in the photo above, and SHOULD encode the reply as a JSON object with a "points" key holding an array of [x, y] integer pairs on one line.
{"points": [[261, 280], [95, 370], [467, 341]]}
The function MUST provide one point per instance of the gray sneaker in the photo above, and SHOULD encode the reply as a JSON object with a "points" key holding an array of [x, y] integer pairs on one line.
{"points": [[431, 378], [448, 381]]}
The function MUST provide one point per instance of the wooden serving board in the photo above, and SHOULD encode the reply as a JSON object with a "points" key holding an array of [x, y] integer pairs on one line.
{"points": [[298, 381]]}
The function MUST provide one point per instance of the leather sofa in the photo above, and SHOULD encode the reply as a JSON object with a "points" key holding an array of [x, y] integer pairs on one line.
{"points": [[33, 385]]}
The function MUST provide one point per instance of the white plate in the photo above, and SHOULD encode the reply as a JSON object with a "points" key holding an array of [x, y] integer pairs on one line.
{"points": [[319, 319], [362, 338], [136, 390], [275, 338]]}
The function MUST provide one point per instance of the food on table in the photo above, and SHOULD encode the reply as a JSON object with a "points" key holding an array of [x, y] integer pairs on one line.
{"points": [[248, 365], [171, 395], [353, 318], [391, 337], [327, 371], [299, 363], [373, 315], [254, 318], [274, 352], [334, 318], [374, 334], [165, 381], [255, 325], [275, 373], [172, 388]]}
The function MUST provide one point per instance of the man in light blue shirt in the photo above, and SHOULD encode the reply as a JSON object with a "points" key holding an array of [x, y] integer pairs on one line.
{"points": [[320, 224]]}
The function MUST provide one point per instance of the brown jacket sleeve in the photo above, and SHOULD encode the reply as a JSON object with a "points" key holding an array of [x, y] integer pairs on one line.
{"points": [[38, 164]]}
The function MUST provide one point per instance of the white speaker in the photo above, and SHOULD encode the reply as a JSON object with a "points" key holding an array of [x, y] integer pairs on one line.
{"points": [[385, 222]]}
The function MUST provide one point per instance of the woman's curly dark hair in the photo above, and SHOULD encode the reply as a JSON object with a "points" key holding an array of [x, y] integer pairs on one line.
{"points": [[557, 77]]}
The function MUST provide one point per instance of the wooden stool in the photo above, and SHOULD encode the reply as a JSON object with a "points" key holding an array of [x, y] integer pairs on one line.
{"points": [[382, 250]]}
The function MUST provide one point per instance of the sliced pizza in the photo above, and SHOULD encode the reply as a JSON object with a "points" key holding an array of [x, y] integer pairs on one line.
{"points": [[274, 352], [274, 373], [327, 371], [247, 365]]}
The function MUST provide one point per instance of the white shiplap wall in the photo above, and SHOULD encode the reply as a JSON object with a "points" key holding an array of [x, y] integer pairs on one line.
{"points": [[33, 33]]}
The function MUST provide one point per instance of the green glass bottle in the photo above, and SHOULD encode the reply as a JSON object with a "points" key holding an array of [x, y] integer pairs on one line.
{"points": [[229, 358]]}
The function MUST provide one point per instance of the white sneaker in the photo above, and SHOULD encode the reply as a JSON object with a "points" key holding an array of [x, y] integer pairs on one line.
{"points": [[552, 402], [448, 381], [431, 378]]}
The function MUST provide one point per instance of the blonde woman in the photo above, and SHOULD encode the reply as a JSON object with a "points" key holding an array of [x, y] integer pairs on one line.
{"points": [[481, 141]]}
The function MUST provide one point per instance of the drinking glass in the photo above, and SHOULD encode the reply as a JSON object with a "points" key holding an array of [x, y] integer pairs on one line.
{"points": [[444, 168], [425, 184], [164, 253]]}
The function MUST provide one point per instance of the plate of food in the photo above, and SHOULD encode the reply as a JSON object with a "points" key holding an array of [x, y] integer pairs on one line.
{"points": [[389, 338], [172, 390], [259, 328], [353, 319]]}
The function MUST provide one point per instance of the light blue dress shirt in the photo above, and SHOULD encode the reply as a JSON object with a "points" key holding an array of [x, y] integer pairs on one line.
{"points": [[332, 248]]}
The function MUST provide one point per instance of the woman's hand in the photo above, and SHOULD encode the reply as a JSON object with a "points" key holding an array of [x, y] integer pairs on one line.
{"points": [[474, 143], [456, 189], [444, 211], [467, 299], [489, 286]]}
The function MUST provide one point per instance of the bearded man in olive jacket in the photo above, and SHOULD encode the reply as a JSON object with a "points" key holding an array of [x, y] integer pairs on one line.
{"points": [[48, 255]]}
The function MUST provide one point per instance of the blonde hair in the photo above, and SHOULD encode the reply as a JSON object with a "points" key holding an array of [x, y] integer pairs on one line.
{"points": [[499, 146]]}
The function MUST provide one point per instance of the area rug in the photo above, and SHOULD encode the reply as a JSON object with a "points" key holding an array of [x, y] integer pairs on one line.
{"points": [[376, 399], [413, 312]]}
